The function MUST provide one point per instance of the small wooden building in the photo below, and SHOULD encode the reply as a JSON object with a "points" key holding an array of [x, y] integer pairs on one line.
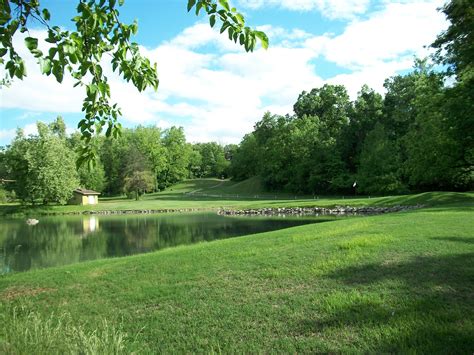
{"points": [[85, 197]]}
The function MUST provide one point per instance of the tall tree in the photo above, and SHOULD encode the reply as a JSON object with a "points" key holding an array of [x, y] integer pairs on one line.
{"points": [[455, 49], [379, 171], [43, 167], [177, 157], [366, 111]]}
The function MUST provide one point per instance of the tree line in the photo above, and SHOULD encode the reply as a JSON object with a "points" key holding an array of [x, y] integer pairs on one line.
{"points": [[143, 159], [407, 141]]}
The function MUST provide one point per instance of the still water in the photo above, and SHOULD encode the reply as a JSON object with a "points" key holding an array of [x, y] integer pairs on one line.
{"points": [[62, 240]]}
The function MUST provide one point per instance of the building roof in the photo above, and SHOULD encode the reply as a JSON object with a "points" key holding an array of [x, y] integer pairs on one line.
{"points": [[86, 192]]}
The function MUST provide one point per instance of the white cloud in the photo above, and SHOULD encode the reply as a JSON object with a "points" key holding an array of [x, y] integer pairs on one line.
{"points": [[374, 76], [398, 29], [333, 9]]}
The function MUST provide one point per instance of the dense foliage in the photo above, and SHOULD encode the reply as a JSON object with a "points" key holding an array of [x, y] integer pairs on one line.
{"points": [[143, 159], [409, 140]]}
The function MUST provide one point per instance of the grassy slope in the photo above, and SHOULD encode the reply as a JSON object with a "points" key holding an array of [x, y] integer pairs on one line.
{"points": [[391, 283], [229, 194]]}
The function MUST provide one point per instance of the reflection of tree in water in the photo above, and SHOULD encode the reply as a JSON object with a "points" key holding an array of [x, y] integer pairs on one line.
{"points": [[146, 233], [69, 239], [52, 242], [42, 245]]}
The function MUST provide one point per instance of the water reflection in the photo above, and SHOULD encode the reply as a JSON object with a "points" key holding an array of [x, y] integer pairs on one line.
{"points": [[65, 240]]}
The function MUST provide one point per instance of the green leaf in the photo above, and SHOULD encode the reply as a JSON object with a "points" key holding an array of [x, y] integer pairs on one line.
{"points": [[46, 14], [31, 43], [191, 4], [3, 51], [21, 69], [212, 20], [240, 19], [225, 25], [103, 88], [263, 38], [4, 18], [36, 53], [224, 4], [198, 8], [58, 72], [45, 66]]}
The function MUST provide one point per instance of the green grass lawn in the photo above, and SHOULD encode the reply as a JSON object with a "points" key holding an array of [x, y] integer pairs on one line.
{"points": [[401, 282]]}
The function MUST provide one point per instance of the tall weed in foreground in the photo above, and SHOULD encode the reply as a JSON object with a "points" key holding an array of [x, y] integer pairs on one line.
{"points": [[26, 332]]}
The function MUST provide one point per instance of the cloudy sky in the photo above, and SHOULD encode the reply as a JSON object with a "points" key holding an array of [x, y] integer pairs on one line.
{"points": [[217, 91]]}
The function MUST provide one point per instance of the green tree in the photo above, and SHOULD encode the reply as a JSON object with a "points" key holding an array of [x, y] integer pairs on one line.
{"points": [[213, 160], [195, 162], [43, 167], [244, 162], [328, 109], [379, 164], [177, 157], [366, 111], [137, 175], [455, 49], [92, 178], [139, 182], [149, 141]]}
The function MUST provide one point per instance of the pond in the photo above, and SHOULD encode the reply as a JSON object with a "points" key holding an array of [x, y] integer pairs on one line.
{"points": [[62, 240]]}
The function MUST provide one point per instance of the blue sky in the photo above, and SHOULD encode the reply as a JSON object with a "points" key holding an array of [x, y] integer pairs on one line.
{"points": [[212, 87]]}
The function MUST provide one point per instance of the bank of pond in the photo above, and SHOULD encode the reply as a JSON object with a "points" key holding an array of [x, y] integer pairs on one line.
{"points": [[62, 240]]}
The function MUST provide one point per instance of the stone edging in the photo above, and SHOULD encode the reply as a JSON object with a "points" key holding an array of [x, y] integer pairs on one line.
{"points": [[338, 210]]}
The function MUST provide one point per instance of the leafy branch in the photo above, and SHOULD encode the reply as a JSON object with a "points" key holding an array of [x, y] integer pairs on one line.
{"points": [[80, 53]]}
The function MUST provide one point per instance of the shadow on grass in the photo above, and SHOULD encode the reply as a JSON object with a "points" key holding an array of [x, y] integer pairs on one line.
{"points": [[429, 199], [423, 305]]}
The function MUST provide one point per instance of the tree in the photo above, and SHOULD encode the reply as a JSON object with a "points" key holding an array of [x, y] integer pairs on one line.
{"points": [[213, 160], [139, 182], [379, 164], [92, 178], [245, 158], [137, 175], [455, 49], [364, 114], [177, 157], [328, 108], [99, 34], [43, 167], [455, 46]]}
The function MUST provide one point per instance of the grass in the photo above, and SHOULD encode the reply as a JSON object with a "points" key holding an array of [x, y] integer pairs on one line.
{"points": [[209, 194], [401, 282]]}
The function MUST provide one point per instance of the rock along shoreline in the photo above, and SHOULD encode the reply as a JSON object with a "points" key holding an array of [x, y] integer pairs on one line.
{"points": [[338, 210]]}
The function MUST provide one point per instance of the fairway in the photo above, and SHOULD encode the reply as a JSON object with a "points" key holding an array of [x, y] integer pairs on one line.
{"points": [[400, 282]]}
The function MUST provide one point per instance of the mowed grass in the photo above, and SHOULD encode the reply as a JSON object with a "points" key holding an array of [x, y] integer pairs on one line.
{"points": [[400, 282], [212, 194]]}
